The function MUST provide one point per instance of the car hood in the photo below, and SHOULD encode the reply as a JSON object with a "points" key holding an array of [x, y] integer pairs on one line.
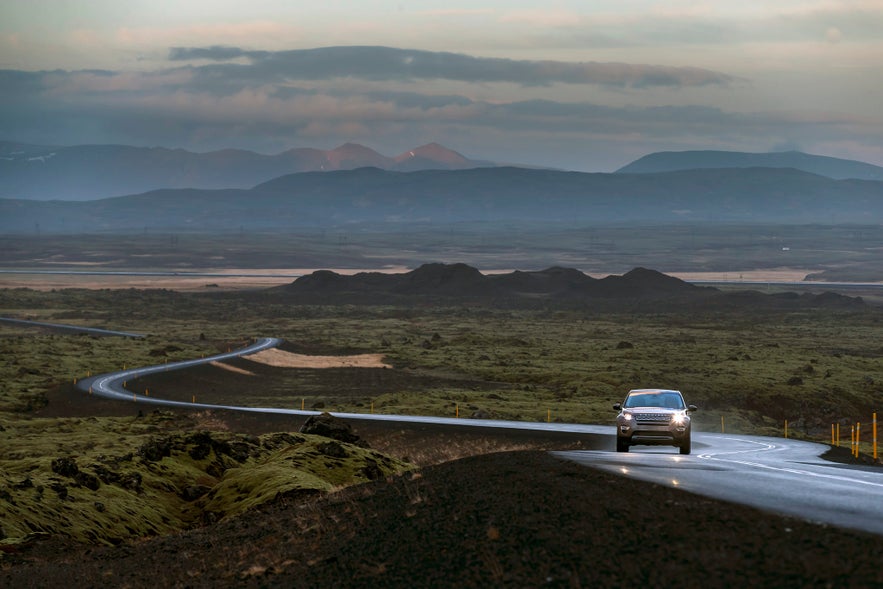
{"points": [[652, 409]]}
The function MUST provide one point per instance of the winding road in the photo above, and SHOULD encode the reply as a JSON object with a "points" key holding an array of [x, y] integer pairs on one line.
{"points": [[110, 385], [773, 474]]}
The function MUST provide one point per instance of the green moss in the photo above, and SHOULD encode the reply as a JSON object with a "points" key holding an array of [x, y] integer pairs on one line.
{"points": [[313, 466], [126, 478]]}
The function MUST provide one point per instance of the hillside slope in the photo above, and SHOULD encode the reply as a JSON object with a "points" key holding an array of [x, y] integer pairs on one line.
{"points": [[517, 519]]}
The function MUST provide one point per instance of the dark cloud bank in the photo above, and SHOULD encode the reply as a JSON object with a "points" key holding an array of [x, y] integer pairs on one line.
{"points": [[386, 63]]}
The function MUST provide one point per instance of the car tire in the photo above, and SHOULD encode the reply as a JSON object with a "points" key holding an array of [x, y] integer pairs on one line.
{"points": [[685, 447], [622, 445]]}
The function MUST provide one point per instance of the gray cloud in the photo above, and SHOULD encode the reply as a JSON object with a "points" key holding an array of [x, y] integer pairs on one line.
{"points": [[164, 109], [393, 100], [390, 64], [213, 53]]}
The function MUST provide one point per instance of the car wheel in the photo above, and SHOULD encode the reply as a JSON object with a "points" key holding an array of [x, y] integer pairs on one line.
{"points": [[622, 445], [685, 447]]}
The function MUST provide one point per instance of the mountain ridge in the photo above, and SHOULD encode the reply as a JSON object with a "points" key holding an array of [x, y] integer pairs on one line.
{"points": [[830, 167], [483, 195], [90, 172]]}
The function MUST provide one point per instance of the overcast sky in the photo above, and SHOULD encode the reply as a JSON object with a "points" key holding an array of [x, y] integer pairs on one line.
{"points": [[583, 85]]}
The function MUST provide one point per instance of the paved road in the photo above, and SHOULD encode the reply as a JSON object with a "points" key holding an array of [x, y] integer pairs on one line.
{"points": [[70, 328], [774, 474], [110, 385]]}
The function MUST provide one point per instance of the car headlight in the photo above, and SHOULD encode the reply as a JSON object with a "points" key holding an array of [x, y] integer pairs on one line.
{"points": [[627, 416], [679, 418]]}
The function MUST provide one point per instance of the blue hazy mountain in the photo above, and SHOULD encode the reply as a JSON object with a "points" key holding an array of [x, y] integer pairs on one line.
{"points": [[89, 172], [483, 195], [831, 167]]}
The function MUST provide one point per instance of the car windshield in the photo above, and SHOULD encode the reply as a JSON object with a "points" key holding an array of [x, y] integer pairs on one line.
{"points": [[666, 400]]}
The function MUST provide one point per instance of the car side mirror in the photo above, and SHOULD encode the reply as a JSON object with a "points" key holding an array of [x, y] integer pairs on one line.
{"points": [[692, 408], [618, 406]]}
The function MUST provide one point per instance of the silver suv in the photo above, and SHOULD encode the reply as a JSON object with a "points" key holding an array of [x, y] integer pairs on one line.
{"points": [[653, 417]]}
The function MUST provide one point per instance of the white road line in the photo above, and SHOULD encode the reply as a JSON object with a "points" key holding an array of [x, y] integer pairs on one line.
{"points": [[767, 447]]}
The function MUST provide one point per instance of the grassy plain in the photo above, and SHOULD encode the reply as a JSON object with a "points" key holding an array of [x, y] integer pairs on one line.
{"points": [[748, 368], [753, 367]]}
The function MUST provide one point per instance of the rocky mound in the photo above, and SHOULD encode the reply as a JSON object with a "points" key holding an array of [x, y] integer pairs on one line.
{"points": [[329, 426], [460, 283], [463, 282]]}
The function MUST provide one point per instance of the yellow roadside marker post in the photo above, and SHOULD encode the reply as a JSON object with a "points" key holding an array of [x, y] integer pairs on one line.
{"points": [[838, 435], [858, 436], [875, 435], [852, 440], [723, 428]]}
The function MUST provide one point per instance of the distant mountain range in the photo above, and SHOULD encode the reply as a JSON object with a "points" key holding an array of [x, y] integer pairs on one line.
{"points": [[89, 172], [486, 195], [831, 167]]}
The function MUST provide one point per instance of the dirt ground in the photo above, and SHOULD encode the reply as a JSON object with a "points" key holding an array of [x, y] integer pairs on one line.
{"points": [[512, 519], [283, 359], [487, 509]]}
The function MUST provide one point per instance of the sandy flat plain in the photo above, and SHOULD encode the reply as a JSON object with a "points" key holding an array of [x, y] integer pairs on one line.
{"points": [[250, 278], [283, 359], [223, 279]]}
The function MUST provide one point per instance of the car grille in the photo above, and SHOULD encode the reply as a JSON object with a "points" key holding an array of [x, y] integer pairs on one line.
{"points": [[653, 417]]}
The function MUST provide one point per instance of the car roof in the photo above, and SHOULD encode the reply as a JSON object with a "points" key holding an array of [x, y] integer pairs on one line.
{"points": [[651, 391]]}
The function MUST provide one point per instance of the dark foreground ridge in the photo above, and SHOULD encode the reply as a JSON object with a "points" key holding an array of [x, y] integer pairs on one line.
{"points": [[516, 519], [460, 283]]}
